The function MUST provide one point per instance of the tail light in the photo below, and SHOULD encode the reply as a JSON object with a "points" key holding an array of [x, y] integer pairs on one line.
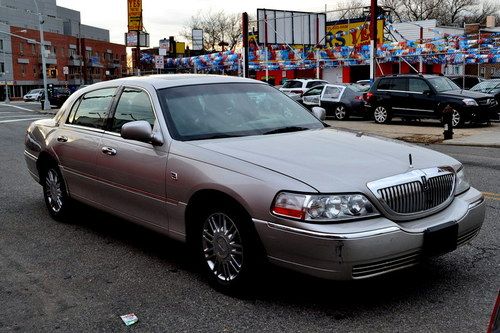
{"points": [[359, 98], [368, 96]]}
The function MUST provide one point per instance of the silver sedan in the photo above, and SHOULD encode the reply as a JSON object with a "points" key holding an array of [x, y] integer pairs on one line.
{"points": [[244, 174]]}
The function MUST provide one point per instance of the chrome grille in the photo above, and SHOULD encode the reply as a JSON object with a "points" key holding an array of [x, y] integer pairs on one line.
{"points": [[416, 193], [385, 266], [417, 196]]}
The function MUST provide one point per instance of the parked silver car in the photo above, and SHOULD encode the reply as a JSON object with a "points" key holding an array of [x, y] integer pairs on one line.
{"points": [[243, 173]]}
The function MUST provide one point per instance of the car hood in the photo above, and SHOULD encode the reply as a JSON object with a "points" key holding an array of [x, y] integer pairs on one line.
{"points": [[328, 160], [465, 94]]}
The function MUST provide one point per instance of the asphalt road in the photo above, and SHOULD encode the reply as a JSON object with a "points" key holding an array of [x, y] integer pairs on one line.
{"points": [[81, 276]]}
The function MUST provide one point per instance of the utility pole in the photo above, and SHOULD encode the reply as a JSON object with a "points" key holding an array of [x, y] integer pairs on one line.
{"points": [[373, 39], [244, 23], [7, 99], [46, 103]]}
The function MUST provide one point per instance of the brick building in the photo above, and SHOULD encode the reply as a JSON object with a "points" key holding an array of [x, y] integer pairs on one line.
{"points": [[83, 52]]}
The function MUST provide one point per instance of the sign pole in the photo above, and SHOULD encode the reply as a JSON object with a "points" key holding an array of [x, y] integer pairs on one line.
{"points": [[373, 38], [244, 23]]}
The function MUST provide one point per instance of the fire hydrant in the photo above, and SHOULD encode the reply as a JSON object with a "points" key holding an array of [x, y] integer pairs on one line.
{"points": [[448, 122]]}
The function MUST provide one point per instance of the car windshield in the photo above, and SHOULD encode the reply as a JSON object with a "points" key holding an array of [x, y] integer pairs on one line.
{"points": [[486, 86], [211, 111], [443, 84], [292, 84]]}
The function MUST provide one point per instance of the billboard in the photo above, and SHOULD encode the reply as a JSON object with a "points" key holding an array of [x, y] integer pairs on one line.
{"points": [[288, 27], [136, 39], [134, 15], [357, 32], [197, 38], [159, 63]]}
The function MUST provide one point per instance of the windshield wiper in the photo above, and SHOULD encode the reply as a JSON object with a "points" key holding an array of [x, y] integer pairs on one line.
{"points": [[218, 136], [286, 130]]}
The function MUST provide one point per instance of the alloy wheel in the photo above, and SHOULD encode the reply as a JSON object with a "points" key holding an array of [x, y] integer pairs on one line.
{"points": [[340, 112], [53, 190], [380, 114], [222, 247], [456, 118]]}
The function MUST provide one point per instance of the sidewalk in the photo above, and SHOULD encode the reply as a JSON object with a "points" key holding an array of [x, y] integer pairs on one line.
{"points": [[427, 131]]}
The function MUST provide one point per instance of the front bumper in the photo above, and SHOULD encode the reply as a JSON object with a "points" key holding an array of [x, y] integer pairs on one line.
{"points": [[482, 113], [365, 248]]}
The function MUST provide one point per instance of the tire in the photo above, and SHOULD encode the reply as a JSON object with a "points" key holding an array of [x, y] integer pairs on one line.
{"points": [[382, 114], [227, 248], [54, 192], [340, 112]]}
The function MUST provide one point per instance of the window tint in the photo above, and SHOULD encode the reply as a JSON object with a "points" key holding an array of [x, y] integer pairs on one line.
{"points": [[134, 104], [314, 91], [392, 84], [313, 84], [332, 92], [92, 108], [292, 84], [417, 85]]}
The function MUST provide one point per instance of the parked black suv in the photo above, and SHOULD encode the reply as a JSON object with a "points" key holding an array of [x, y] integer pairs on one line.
{"points": [[57, 96], [425, 96]]}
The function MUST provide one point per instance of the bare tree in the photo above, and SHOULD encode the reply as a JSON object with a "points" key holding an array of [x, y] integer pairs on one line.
{"points": [[217, 27], [447, 12]]}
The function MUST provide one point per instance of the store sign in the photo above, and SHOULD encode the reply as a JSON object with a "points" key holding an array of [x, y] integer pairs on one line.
{"points": [[164, 46], [134, 15], [356, 32]]}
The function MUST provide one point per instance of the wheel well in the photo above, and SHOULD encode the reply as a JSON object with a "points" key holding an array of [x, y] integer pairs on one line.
{"points": [[44, 160], [205, 198]]}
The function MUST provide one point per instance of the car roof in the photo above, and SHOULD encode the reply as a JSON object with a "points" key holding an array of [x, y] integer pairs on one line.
{"points": [[161, 81]]}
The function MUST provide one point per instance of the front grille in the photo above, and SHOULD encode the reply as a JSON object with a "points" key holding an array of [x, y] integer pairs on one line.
{"points": [[418, 196], [385, 266]]}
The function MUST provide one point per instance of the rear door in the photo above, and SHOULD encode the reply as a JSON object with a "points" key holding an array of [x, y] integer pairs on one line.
{"points": [[311, 97], [396, 91], [331, 97], [78, 139], [133, 172]]}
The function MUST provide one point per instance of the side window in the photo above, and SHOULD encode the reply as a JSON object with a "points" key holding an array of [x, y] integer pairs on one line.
{"points": [[91, 110], [134, 104], [417, 85], [313, 84], [399, 84], [384, 84], [315, 91]]}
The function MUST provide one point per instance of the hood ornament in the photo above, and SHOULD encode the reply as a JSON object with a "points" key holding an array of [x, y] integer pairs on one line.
{"points": [[411, 161]]}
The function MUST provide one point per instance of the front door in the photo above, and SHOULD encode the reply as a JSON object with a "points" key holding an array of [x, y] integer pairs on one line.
{"points": [[421, 99], [133, 172]]}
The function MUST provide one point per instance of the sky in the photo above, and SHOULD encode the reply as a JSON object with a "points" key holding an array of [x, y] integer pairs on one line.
{"points": [[167, 18]]}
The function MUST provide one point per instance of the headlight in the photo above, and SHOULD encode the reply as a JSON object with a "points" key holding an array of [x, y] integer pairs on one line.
{"points": [[323, 208], [462, 184], [469, 102]]}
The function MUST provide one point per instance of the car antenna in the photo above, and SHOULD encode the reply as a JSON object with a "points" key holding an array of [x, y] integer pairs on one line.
{"points": [[411, 160]]}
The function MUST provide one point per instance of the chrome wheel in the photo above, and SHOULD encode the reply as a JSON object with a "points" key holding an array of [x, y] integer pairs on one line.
{"points": [[53, 191], [380, 114], [456, 118], [340, 112], [222, 247]]}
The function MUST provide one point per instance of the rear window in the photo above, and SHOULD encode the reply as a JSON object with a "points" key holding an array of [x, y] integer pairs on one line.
{"points": [[314, 84], [292, 84]]}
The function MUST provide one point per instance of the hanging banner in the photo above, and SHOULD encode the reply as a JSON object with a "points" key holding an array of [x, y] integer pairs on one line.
{"points": [[159, 63], [355, 32], [134, 15]]}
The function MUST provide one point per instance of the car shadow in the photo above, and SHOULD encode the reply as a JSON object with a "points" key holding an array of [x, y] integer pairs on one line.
{"points": [[340, 299], [414, 122]]}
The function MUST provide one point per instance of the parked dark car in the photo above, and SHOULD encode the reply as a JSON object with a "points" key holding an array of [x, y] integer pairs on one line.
{"points": [[465, 81], [57, 96], [491, 87], [339, 100], [425, 96]]}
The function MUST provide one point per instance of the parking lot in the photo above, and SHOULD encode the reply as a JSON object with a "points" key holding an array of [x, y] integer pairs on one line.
{"points": [[81, 276]]}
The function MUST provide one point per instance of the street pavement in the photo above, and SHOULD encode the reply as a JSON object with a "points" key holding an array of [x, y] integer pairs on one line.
{"points": [[81, 276]]}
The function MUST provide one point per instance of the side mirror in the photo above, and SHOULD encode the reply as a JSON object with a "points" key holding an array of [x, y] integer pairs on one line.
{"points": [[319, 113], [140, 130], [427, 92]]}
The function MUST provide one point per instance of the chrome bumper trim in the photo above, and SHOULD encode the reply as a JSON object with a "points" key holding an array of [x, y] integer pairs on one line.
{"points": [[327, 235]]}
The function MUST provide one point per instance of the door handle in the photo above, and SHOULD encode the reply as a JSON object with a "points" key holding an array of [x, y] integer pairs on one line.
{"points": [[62, 138], [108, 151]]}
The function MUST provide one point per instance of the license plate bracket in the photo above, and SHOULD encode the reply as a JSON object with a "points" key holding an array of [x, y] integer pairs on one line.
{"points": [[441, 239]]}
